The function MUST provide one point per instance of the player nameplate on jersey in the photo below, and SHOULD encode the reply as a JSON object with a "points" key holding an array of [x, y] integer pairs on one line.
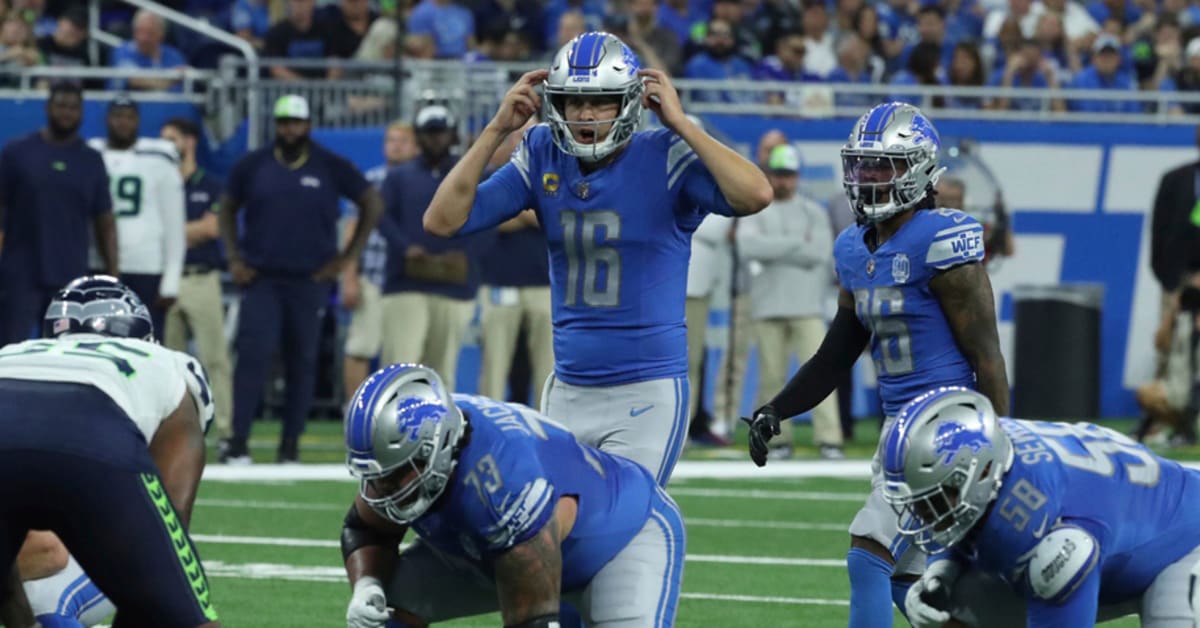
{"points": [[900, 268], [870, 266], [581, 189]]}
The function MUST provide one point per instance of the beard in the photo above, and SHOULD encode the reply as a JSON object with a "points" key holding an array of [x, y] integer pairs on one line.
{"points": [[291, 148], [61, 131]]}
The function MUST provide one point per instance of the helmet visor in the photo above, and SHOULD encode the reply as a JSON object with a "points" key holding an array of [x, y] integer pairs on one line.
{"points": [[873, 175]]}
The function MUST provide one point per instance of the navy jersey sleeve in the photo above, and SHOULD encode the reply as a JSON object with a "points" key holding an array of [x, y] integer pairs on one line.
{"points": [[100, 197], [516, 495], [690, 178], [956, 239], [349, 181], [509, 190]]}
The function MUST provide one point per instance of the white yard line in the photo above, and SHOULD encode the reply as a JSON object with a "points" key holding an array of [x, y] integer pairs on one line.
{"points": [[221, 539], [269, 505], [275, 571], [685, 470], [737, 493]]}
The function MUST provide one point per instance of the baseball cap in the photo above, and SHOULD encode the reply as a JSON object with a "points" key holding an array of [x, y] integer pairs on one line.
{"points": [[1106, 42], [434, 118], [784, 158], [1193, 48], [122, 101], [291, 106]]}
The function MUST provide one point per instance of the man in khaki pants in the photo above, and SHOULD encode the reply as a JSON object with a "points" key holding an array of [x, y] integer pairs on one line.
{"points": [[789, 250], [198, 310], [430, 286], [515, 294]]}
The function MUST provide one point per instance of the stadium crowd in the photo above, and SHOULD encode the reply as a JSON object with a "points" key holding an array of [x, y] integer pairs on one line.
{"points": [[1099, 44]]}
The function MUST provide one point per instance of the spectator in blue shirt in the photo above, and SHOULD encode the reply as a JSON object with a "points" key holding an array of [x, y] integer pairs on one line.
{"points": [[966, 70], [250, 20], [881, 46], [524, 16], [1026, 68], [923, 69], [719, 61], [451, 25], [679, 16], [1105, 72], [931, 29], [787, 64], [854, 67], [591, 10], [146, 51], [1125, 11]]}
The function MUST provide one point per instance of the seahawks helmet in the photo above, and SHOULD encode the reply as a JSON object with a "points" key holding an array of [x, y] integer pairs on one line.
{"points": [[594, 64], [890, 162], [944, 458], [402, 428], [98, 304]]}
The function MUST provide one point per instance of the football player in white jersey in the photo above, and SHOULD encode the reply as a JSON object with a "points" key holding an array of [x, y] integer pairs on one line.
{"points": [[102, 443], [148, 204]]}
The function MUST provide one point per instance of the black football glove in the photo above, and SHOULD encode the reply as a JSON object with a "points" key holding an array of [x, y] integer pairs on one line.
{"points": [[763, 426]]}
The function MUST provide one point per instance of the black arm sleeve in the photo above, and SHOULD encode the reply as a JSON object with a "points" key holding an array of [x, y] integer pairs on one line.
{"points": [[357, 533], [819, 376]]}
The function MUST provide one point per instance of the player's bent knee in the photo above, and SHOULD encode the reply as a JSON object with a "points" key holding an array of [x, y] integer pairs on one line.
{"points": [[42, 555]]}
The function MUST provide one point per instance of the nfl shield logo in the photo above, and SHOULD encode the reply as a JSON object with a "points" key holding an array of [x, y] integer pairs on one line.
{"points": [[61, 325], [581, 189], [870, 266], [900, 268]]}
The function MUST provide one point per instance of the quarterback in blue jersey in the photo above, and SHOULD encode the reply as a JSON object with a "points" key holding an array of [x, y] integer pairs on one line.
{"points": [[510, 512], [1038, 524], [912, 286], [618, 207]]}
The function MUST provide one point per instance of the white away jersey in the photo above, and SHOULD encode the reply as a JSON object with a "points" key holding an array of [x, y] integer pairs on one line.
{"points": [[148, 204], [145, 379]]}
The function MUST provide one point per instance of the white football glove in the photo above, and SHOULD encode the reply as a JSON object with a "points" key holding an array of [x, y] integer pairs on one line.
{"points": [[934, 584], [368, 605]]}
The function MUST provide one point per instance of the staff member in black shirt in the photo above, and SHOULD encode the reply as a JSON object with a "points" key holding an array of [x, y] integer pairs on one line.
{"points": [[286, 258], [53, 188]]}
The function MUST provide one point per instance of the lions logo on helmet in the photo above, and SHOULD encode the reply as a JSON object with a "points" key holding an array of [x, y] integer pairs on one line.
{"points": [[98, 304], [594, 65], [890, 162], [402, 430], [943, 459]]}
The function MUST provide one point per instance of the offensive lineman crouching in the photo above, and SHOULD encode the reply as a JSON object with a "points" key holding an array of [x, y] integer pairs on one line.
{"points": [[509, 510]]}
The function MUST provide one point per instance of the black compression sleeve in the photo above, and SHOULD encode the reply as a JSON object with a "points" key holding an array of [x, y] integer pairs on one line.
{"points": [[357, 533], [819, 376]]}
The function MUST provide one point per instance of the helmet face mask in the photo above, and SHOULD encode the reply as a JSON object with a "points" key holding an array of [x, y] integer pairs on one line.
{"points": [[98, 304], [890, 162], [402, 432], [596, 69], [944, 459]]}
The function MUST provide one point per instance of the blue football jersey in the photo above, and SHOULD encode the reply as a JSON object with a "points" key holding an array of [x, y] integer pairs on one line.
{"points": [[510, 475], [1143, 511], [619, 241], [911, 342]]}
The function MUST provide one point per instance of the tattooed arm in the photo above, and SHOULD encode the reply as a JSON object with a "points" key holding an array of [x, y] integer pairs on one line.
{"points": [[529, 576], [965, 294]]}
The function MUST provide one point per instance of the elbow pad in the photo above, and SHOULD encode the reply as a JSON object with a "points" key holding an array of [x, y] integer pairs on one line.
{"points": [[357, 533]]}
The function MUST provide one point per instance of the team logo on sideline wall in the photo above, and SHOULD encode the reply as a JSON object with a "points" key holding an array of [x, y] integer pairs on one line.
{"points": [[900, 268]]}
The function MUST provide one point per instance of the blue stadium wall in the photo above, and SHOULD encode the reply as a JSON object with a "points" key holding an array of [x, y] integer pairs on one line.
{"points": [[1080, 196]]}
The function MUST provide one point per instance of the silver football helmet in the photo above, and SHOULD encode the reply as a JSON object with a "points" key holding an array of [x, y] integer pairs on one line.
{"points": [[594, 65], [944, 459], [402, 428], [890, 162]]}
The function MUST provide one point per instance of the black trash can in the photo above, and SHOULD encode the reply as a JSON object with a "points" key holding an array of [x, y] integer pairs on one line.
{"points": [[1057, 351]]}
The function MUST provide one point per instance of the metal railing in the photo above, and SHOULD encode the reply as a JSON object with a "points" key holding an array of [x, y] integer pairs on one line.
{"points": [[193, 83]]}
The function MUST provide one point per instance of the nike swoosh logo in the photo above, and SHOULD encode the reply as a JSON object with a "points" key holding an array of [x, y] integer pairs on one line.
{"points": [[640, 411], [1041, 529]]}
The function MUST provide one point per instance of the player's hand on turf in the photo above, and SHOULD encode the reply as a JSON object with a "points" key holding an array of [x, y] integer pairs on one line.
{"points": [[520, 103], [763, 426], [661, 98], [927, 602], [368, 605], [243, 275]]}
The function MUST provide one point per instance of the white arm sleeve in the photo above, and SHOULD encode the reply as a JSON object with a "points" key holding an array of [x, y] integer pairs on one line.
{"points": [[174, 220]]}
